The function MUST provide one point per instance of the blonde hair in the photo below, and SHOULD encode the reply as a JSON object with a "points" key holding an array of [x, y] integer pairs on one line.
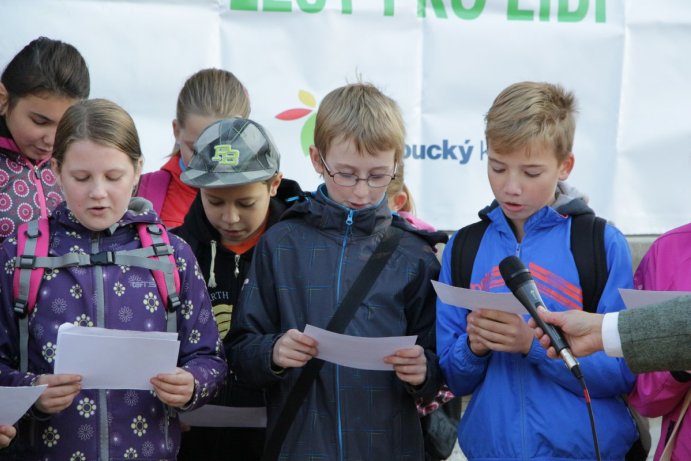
{"points": [[213, 93], [398, 185], [531, 114], [100, 121], [360, 113]]}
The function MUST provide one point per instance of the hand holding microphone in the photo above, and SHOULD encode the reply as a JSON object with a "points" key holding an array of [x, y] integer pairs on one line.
{"points": [[517, 277]]}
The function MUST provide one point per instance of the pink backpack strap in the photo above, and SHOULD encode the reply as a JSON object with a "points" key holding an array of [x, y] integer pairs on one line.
{"points": [[32, 242], [168, 283], [154, 187]]}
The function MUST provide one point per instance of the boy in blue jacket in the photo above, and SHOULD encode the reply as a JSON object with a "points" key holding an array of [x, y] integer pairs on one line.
{"points": [[303, 267], [525, 405]]}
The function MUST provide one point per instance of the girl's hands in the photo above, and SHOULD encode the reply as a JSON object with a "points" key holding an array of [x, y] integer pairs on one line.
{"points": [[61, 391], [174, 389]]}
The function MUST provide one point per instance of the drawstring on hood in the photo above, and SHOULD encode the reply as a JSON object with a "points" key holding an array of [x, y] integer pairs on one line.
{"points": [[212, 273]]}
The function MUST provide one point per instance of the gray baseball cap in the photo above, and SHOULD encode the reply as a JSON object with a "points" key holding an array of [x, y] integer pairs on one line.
{"points": [[232, 152]]}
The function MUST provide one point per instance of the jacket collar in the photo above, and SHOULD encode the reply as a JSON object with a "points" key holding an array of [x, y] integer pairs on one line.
{"points": [[329, 216], [138, 211]]}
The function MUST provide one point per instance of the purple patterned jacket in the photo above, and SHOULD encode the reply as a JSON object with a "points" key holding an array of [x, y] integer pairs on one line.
{"points": [[27, 190], [112, 424]]}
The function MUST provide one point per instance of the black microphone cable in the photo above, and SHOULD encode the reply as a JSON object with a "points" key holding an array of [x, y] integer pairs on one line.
{"points": [[589, 405]]}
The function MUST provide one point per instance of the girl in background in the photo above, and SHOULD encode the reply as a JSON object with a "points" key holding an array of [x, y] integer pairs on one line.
{"points": [[37, 86], [206, 97], [401, 201]]}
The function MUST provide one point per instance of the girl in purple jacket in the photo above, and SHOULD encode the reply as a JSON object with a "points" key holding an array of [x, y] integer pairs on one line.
{"points": [[97, 162]]}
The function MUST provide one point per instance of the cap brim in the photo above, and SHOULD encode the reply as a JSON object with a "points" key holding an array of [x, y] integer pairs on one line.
{"points": [[206, 180]]}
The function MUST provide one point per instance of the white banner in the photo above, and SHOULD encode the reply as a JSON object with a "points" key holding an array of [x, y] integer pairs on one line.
{"points": [[444, 61]]}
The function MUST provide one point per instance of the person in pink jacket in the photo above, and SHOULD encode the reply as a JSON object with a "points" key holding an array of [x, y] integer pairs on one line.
{"points": [[666, 267]]}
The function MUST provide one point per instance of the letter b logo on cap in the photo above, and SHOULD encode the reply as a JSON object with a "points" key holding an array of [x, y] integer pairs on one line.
{"points": [[224, 154]]}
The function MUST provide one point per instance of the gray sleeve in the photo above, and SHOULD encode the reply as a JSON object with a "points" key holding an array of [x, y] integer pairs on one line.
{"points": [[657, 337]]}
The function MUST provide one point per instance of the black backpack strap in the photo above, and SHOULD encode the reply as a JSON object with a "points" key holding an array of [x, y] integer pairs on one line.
{"points": [[463, 252], [338, 323], [590, 255]]}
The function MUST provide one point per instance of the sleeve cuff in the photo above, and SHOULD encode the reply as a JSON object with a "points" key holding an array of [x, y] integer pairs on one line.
{"points": [[611, 341]]}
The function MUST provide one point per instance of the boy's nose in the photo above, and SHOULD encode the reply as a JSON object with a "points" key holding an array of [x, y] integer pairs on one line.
{"points": [[230, 215], [513, 186], [361, 189]]}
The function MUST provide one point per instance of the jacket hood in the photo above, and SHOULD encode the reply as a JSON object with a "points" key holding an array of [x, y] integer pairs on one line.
{"points": [[138, 211], [6, 141], [569, 201], [331, 217]]}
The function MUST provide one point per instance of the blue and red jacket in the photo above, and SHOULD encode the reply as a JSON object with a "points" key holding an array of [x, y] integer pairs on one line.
{"points": [[530, 406]]}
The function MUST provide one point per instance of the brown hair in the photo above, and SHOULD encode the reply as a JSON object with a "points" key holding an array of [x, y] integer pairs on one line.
{"points": [[100, 121], [360, 113], [530, 114], [46, 66], [212, 92]]}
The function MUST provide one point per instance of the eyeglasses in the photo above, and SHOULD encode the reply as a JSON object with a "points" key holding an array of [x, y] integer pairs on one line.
{"points": [[350, 180]]}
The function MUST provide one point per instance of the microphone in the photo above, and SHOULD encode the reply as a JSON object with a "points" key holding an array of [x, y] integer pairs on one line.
{"points": [[517, 277]]}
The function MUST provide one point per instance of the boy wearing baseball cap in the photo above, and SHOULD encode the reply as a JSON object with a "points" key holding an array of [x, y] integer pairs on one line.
{"points": [[236, 168]]}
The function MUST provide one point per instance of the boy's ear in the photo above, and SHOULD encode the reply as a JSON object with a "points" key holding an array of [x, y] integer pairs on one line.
{"points": [[275, 182], [566, 167], [398, 200], [4, 100], [316, 161]]}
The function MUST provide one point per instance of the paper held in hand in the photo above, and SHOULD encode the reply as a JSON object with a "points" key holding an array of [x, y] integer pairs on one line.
{"points": [[356, 351], [115, 359]]}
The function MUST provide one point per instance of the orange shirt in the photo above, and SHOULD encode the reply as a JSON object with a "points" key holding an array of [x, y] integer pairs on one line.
{"points": [[249, 243], [174, 211]]}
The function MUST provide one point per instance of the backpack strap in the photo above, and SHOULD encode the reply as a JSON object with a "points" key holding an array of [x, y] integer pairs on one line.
{"points": [[32, 241], [154, 187], [167, 280], [464, 250], [32, 260], [590, 255]]}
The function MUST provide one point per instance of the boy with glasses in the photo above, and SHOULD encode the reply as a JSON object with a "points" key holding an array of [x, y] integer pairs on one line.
{"points": [[304, 266]]}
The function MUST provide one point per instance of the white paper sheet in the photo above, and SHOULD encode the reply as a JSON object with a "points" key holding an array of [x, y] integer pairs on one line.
{"points": [[357, 351], [639, 298], [476, 299], [115, 359], [15, 401], [218, 416]]}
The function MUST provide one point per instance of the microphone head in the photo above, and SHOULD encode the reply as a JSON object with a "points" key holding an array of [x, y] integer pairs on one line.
{"points": [[514, 272]]}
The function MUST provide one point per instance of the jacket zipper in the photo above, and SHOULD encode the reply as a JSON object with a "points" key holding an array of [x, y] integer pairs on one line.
{"points": [[348, 230], [237, 266], [104, 448], [40, 194]]}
